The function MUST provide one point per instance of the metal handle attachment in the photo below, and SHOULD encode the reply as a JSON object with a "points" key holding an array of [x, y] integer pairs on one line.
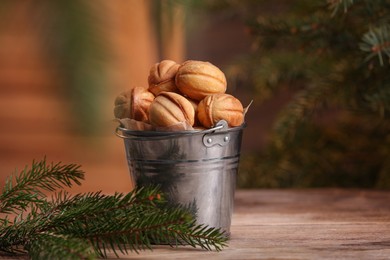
{"points": [[219, 136]]}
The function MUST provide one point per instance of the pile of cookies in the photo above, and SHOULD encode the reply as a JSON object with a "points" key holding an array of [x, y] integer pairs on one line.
{"points": [[190, 95]]}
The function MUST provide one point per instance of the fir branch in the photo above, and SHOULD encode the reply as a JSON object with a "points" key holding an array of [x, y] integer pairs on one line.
{"points": [[57, 246], [310, 35], [28, 186], [306, 103], [135, 220], [337, 5], [343, 105], [377, 43], [378, 101], [91, 224]]}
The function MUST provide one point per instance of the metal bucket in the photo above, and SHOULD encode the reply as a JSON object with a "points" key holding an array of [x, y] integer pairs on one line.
{"points": [[193, 168]]}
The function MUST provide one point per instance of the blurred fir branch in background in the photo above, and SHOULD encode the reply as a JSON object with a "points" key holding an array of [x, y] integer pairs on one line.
{"points": [[334, 55]]}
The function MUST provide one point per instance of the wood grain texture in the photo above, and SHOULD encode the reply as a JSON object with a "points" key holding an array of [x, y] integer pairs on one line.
{"points": [[300, 224]]}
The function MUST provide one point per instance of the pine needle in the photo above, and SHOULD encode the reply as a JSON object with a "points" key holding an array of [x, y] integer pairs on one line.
{"points": [[92, 224], [27, 187]]}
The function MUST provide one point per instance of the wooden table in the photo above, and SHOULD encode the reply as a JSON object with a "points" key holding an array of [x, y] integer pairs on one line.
{"points": [[300, 224]]}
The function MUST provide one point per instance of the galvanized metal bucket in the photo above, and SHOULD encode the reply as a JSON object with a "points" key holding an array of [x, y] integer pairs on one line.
{"points": [[193, 168]]}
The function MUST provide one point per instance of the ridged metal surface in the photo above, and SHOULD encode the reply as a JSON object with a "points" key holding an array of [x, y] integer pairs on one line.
{"points": [[198, 170]]}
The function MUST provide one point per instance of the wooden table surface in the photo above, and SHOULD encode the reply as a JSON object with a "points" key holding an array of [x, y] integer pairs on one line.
{"points": [[299, 224]]}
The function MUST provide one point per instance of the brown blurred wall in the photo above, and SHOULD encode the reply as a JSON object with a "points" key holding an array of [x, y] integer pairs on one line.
{"points": [[36, 119]]}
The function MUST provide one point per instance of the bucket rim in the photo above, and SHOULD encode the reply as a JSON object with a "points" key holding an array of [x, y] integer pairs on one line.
{"points": [[221, 126]]}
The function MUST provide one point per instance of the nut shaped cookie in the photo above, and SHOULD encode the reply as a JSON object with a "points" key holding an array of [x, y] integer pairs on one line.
{"points": [[198, 79], [162, 77], [170, 108], [134, 104], [214, 108]]}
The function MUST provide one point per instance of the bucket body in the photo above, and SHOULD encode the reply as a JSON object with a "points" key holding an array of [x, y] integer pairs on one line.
{"points": [[196, 169]]}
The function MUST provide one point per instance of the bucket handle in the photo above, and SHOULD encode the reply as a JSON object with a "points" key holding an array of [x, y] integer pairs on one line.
{"points": [[221, 125]]}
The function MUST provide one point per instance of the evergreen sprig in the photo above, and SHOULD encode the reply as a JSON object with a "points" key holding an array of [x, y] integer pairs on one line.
{"points": [[377, 43], [27, 187], [337, 5], [88, 225]]}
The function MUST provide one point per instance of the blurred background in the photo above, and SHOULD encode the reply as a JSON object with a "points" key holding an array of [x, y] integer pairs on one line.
{"points": [[317, 72]]}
